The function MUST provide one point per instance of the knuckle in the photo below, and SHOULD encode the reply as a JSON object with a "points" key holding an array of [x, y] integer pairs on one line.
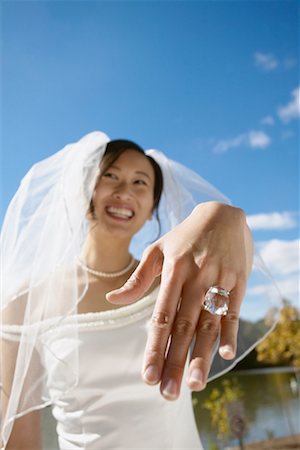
{"points": [[160, 320], [174, 264], [231, 317], [136, 280], [183, 327], [148, 251], [209, 327]]}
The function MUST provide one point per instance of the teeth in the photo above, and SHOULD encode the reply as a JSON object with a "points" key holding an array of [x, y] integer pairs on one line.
{"points": [[121, 212]]}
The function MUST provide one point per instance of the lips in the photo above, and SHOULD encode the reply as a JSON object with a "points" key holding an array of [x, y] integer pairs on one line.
{"points": [[120, 212]]}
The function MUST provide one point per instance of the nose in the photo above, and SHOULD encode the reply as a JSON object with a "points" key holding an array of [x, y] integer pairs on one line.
{"points": [[122, 192]]}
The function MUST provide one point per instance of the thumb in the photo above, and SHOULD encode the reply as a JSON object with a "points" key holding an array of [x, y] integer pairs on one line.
{"points": [[140, 280]]}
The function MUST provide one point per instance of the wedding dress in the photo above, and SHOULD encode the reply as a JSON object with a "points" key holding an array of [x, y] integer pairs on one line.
{"points": [[111, 407]]}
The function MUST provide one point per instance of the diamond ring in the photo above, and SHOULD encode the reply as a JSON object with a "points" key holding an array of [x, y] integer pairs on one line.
{"points": [[216, 301]]}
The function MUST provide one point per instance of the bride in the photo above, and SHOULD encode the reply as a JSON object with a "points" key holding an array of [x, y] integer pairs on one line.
{"points": [[104, 337]]}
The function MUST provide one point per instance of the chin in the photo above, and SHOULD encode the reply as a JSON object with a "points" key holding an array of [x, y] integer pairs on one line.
{"points": [[119, 231]]}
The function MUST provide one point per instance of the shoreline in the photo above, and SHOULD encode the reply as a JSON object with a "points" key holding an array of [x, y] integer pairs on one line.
{"points": [[281, 443]]}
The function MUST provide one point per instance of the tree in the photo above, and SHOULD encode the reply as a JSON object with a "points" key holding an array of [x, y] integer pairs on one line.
{"points": [[226, 410], [283, 343]]}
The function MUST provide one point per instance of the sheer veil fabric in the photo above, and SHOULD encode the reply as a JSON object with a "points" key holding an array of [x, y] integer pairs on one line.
{"points": [[42, 237]]}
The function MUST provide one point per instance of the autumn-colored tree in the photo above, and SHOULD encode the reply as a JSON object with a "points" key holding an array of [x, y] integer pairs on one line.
{"points": [[218, 404], [283, 344]]}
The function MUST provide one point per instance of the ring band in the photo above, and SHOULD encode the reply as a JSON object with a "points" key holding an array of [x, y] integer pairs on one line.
{"points": [[216, 301]]}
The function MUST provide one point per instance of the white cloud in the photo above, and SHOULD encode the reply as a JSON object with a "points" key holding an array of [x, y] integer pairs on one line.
{"points": [[252, 139], [288, 288], [282, 262], [269, 62], [265, 61], [268, 120], [272, 221], [258, 139], [281, 257], [292, 109], [225, 144]]}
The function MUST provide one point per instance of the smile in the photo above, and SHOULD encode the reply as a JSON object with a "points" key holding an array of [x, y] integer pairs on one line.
{"points": [[122, 213]]}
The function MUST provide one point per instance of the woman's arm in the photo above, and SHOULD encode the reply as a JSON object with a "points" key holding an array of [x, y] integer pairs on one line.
{"points": [[212, 246], [26, 433]]}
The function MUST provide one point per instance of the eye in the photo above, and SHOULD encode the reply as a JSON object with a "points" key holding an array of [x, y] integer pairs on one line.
{"points": [[141, 182], [109, 175]]}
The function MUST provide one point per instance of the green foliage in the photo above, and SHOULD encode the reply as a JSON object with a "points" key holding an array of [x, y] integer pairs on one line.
{"points": [[213, 446], [283, 344], [217, 405], [195, 401]]}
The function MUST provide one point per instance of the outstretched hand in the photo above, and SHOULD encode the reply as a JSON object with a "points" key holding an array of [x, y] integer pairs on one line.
{"points": [[212, 246]]}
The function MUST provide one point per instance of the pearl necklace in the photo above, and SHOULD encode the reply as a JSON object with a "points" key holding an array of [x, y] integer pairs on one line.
{"points": [[107, 274]]}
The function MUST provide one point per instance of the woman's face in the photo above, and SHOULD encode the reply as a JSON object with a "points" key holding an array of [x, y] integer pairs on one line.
{"points": [[123, 198]]}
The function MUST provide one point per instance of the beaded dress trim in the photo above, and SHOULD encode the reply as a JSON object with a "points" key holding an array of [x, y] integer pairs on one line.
{"points": [[103, 320], [113, 318]]}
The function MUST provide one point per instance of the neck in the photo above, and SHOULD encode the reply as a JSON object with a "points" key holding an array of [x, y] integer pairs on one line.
{"points": [[105, 253]]}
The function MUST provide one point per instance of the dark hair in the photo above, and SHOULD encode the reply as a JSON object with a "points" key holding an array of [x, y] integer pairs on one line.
{"points": [[113, 150]]}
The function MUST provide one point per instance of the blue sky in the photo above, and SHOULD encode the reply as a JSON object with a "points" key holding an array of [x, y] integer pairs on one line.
{"points": [[214, 84]]}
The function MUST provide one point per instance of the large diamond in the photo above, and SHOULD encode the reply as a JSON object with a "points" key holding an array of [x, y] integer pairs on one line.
{"points": [[216, 301]]}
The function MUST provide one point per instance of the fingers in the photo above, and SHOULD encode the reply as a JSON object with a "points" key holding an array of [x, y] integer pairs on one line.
{"points": [[182, 334], [140, 280], [206, 336], [173, 329], [230, 322], [210, 327], [162, 322]]}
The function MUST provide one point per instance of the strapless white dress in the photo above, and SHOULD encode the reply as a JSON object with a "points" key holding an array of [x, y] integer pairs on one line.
{"points": [[111, 407]]}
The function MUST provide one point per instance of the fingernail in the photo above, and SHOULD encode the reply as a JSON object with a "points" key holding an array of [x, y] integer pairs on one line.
{"points": [[116, 291], [170, 389], [114, 297], [227, 351], [196, 378], [110, 294], [151, 374]]}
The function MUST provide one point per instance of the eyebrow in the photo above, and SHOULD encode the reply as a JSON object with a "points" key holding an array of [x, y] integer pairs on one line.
{"points": [[139, 172]]}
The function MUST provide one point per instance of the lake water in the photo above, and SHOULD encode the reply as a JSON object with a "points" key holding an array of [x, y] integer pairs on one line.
{"points": [[270, 402]]}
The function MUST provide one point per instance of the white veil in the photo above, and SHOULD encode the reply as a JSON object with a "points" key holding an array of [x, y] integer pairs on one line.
{"points": [[43, 233]]}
